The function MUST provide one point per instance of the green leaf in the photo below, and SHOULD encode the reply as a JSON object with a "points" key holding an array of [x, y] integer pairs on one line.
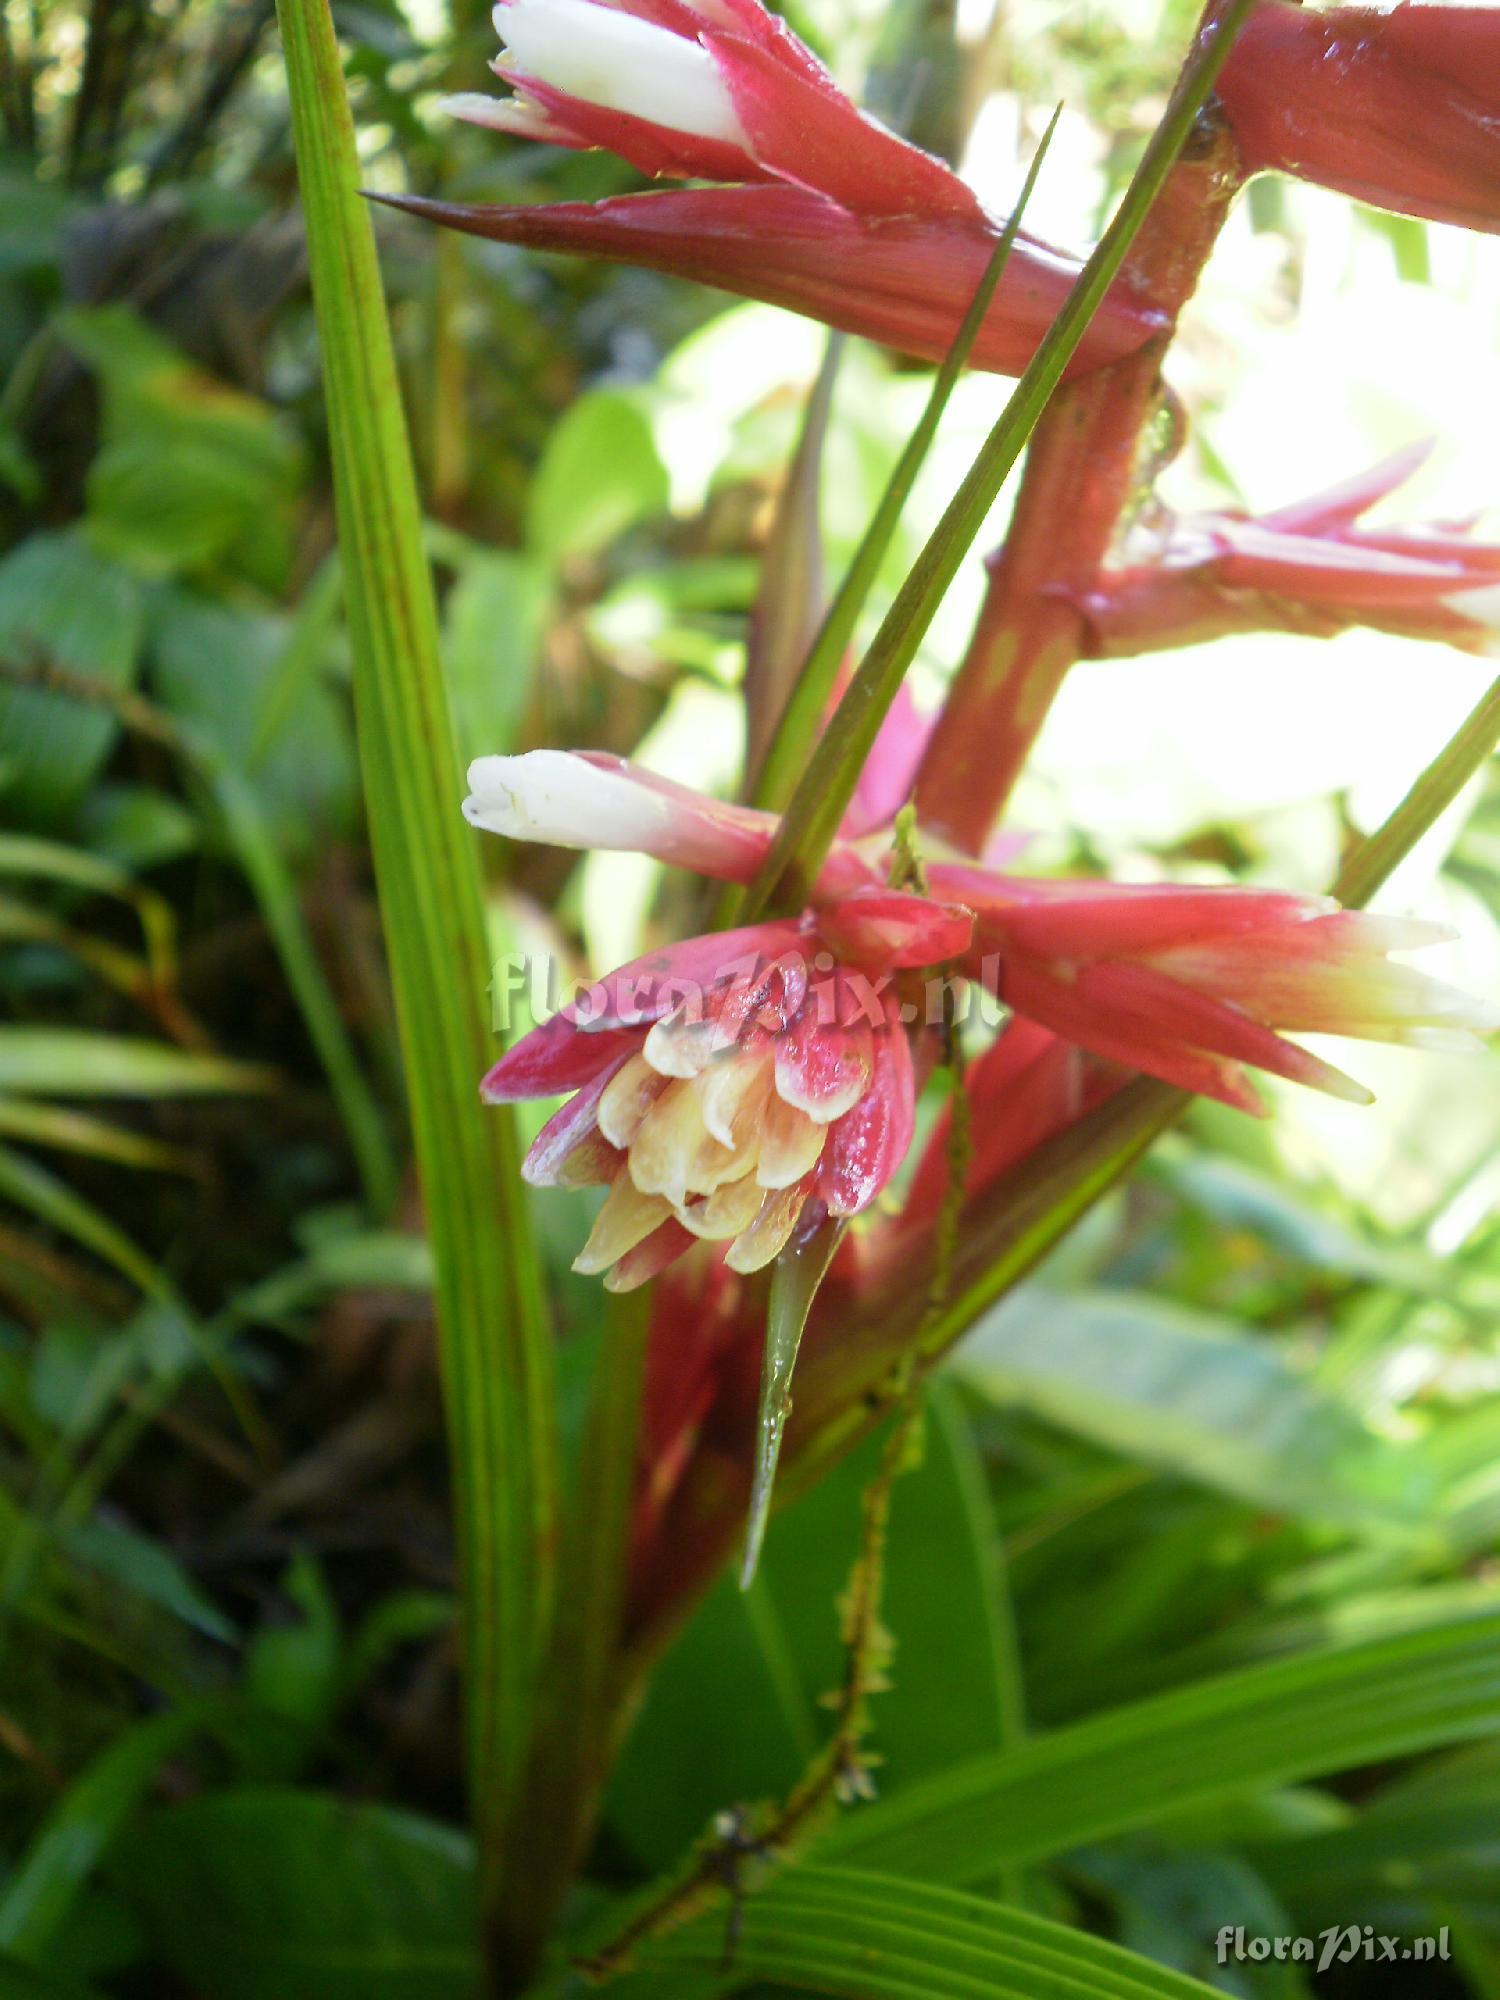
{"points": [[795, 1280], [73, 1062], [734, 1711], [61, 605], [20, 1981], [1128, 1767], [143, 1567], [1194, 1395], [599, 475], [270, 1894], [876, 1937], [63, 1853], [187, 464], [494, 1339]]}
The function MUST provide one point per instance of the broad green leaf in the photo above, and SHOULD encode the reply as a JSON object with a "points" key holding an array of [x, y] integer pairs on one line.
{"points": [[1273, 1725], [599, 475], [1192, 1394], [36, 1896], [494, 1338], [876, 1937], [73, 1062], [61, 605], [271, 1894]]}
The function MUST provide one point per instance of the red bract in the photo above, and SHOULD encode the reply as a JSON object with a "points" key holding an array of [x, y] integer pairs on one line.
{"points": [[828, 213], [1195, 985], [731, 1082], [1399, 108], [1307, 568], [787, 1034]]}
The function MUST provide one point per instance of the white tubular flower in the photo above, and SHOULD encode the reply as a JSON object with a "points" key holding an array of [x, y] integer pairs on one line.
{"points": [[561, 800], [619, 62]]}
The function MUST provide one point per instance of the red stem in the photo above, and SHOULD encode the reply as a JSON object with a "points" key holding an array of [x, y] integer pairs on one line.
{"points": [[1086, 464]]}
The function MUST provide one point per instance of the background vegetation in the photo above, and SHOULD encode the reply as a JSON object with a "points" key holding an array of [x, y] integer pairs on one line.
{"points": [[1244, 1419]]}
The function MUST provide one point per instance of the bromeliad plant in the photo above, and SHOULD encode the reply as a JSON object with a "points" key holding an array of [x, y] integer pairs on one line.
{"points": [[748, 1097]]}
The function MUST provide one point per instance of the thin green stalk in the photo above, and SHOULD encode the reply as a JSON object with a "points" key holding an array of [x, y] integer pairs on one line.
{"points": [[1439, 785], [811, 819], [494, 1342], [802, 717]]}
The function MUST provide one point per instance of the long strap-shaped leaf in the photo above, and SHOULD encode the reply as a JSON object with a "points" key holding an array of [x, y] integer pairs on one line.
{"points": [[1272, 1725], [875, 1937], [491, 1320]]}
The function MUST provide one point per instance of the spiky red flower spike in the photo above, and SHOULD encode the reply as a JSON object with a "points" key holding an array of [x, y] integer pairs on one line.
{"points": [[818, 207], [1309, 568]]}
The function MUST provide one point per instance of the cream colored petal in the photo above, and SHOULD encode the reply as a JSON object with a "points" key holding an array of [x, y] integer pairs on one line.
{"points": [[774, 1222], [628, 1096], [627, 1218], [790, 1143], [732, 1094], [674, 1154], [678, 1046], [727, 1211]]}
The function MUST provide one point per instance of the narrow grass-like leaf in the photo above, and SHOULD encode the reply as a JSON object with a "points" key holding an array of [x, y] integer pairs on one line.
{"points": [[827, 783], [75, 868], [571, 1748], [270, 880], [73, 1062], [794, 1282], [1273, 1725], [788, 605], [875, 1937], [802, 718], [69, 1131], [494, 1339], [1439, 785]]}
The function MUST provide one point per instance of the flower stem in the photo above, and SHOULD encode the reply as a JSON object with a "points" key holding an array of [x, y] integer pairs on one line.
{"points": [[1088, 461]]}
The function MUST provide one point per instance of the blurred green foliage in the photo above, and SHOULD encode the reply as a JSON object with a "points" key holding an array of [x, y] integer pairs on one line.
{"points": [[1243, 1423]]}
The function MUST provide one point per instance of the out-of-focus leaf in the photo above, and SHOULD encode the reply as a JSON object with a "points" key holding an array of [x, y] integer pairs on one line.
{"points": [[75, 868], [73, 1062], [36, 1896], [292, 1668], [134, 826], [217, 669], [1129, 1767], [1241, 1198], [271, 1894], [492, 629], [876, 1937], [599, 475], [1194, 1395], [143, 1567], [62, 604], [187, 465], [77, 1132], [20, 1981]]}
